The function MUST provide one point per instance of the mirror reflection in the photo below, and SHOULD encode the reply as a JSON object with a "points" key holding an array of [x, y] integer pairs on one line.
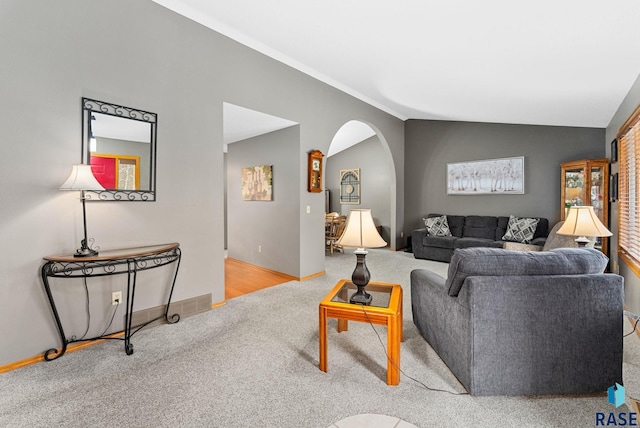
{"points": [[119, 144]]}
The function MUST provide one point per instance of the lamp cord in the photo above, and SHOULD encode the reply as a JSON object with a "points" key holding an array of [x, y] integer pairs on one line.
{"points": [[86, 292], [111, 322], [634, 328], [397, 367]]}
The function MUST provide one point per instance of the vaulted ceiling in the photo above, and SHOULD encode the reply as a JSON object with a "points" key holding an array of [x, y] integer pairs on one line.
{"points": [[549, 62]]}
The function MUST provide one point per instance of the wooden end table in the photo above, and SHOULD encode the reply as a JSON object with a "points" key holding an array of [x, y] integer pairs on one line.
{"points": [[385, 309]]}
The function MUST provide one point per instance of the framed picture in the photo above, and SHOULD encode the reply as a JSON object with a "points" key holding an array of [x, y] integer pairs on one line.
{"points": [[503, 176], [350, 186], [614, 151], [613, 187], [257, 183]]}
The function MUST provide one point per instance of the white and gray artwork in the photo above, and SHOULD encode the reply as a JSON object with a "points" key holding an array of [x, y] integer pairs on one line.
{"points": [[492, 176]]}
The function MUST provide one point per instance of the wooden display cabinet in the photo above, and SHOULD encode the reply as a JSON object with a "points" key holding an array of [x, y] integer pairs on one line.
{"points": [[586, 182]]}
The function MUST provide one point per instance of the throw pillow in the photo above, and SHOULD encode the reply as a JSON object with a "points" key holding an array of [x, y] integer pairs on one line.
{"points": [[520, 229], [437, 226]]}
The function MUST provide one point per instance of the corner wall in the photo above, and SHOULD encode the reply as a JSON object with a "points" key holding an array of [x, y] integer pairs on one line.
{"points": [[631, 280], [430, 145]]}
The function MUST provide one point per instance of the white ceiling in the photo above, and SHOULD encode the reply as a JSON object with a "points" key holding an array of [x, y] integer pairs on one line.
{"points": [[550, 62], [240, 123], [120, 128], [351, 133]]}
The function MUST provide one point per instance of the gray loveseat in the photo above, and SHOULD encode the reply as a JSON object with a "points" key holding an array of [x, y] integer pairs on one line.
{"points": [[468, 231], [524, 323]]}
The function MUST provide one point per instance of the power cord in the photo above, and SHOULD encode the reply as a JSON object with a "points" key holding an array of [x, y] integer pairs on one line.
{"points": [[86, 292], [117, 305], [634, 317], [396, 366]]}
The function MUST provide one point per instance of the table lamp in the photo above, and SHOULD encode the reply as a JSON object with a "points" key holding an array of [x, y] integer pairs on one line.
{"points": [[361, 232], [583, 222], [82, 179]]}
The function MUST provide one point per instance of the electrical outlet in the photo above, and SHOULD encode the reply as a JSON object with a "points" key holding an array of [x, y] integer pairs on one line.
{"points": [[116, 297], [402, 234]]}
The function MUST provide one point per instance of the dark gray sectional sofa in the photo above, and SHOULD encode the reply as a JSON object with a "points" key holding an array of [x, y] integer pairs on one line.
{"points": [[524, 323], [468, 231]]}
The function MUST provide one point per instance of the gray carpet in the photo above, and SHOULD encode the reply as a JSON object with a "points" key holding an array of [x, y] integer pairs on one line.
{"points": [[254, 363]]}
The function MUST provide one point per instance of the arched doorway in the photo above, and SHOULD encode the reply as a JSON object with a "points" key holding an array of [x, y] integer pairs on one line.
{"points": [[358, 149]]}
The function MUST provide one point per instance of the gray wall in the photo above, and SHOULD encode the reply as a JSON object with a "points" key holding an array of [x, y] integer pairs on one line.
{"points": [[430, 145], [266, 225], [375, 177], [631, 280], [161, 62]]}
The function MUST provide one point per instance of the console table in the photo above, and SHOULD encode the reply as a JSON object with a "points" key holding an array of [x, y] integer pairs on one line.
{"points": [[127, 261]]}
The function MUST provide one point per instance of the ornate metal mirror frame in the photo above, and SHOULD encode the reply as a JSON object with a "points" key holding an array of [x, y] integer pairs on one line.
{"points": [[124, 145]]}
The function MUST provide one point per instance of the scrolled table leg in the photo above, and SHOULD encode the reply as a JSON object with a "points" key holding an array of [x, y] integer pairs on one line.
{"points": [[44, 272]]}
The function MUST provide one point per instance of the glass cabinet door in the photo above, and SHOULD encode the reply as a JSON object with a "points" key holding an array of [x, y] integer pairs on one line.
{"points": [[597, 196], [574, 189], [585, 182]]}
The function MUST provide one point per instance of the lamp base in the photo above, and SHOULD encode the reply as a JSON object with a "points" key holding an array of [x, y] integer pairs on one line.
{"points": [[85, 251], [360, 278], [361, 297], [582, 241]]}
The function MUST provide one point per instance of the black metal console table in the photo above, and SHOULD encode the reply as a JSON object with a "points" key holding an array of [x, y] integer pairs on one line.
{"points": [[128, 261]]}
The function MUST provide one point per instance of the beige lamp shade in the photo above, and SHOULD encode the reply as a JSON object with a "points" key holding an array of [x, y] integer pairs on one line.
{"points": [[360, 231], [81, 178], [583, 221]]}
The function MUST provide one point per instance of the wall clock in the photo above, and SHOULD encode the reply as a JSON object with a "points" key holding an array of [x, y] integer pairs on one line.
{"points": [[315, 171]]}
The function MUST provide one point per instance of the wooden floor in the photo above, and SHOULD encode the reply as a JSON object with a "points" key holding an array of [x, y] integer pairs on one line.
{"points": [[242, 278]]}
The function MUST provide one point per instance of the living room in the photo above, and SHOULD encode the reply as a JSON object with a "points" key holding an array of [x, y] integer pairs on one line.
{"points": [[162, 62]]}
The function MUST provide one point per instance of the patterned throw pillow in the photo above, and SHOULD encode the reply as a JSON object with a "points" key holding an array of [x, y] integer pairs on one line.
{"points": [[437, 226], [520, 229]]}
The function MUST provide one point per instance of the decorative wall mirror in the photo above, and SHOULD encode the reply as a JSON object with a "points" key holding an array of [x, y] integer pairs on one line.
{"points": [[120, 145]]}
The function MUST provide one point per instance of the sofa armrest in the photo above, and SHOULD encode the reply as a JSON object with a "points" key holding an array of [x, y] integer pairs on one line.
{"points": [[426, 276], [417, 238]]}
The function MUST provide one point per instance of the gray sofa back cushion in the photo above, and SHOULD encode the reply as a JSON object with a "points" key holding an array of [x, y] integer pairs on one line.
{"points": [[499, 262], [477, 226]]}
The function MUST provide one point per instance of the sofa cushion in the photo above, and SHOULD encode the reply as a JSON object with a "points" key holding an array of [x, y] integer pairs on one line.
{"points": [[521, 229], [439, 241], [476, 226], [499, 262], [466, 242], [455, 222], [437, 226], [542, 230]]}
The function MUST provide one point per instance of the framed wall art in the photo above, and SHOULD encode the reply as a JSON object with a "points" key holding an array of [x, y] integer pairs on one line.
{"points": [[350, 186], [257, 183], [613, 187], [504, 176], [614, 151]]}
